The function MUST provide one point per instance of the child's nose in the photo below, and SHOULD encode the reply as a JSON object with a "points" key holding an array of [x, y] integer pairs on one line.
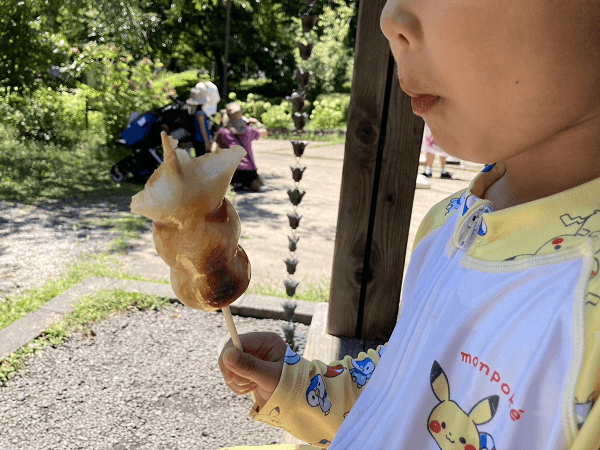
{"points": [[400, 26]]}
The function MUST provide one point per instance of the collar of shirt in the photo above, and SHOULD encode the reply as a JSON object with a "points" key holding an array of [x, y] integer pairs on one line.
{"points": [[538, 227]]}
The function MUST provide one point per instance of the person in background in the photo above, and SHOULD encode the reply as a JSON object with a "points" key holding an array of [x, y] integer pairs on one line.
{"points": [[431, 149], [212, 94], [202, 134], [240, 130]]}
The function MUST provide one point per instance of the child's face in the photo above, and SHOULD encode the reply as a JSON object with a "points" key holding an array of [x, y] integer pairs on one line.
{"points": [[510, 74]]}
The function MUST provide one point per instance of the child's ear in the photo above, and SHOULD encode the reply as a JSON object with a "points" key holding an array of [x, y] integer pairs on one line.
{"points": [[483, 411], [439, 383]]}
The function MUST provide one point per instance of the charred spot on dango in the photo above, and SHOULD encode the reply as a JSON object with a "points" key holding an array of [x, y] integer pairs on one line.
{"points": [[220, 215], [228, 282]]}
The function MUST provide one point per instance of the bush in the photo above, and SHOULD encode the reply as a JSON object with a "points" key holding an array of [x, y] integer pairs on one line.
{"points": [[31, 169], [182, 83], [45, 115], [116, 85], [330, 112], [256, 105], [261, 87], [278, 116]]}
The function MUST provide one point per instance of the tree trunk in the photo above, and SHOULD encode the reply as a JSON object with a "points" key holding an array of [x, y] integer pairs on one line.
{"points": [[226, 64], [218, 59]]}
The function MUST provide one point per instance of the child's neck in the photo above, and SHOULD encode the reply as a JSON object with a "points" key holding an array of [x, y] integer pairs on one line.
{"points": [[564, 161]]}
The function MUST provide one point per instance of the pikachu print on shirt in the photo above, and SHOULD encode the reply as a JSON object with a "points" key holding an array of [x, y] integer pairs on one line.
{"points": [[453, 428]]}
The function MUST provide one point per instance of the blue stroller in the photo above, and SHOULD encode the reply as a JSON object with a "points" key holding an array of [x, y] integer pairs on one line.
{"points": [[142, 136]]}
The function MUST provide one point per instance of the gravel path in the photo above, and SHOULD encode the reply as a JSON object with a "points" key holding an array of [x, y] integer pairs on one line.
{"points": [[147, 380], [39, 242]]}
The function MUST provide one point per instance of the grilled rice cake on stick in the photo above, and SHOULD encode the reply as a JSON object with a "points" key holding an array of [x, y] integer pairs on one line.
{"points": [[195, 228]]}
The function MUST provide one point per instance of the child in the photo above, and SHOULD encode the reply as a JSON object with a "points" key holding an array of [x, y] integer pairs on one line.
{"points": [[498, 342], [431, 149], [202, 137], [235, 131]]}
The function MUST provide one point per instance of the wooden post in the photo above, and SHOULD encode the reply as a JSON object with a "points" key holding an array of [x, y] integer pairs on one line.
{"points": [[378, 182]]}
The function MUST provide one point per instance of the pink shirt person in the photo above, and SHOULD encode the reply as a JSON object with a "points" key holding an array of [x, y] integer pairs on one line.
{"points": [[245, 140]]}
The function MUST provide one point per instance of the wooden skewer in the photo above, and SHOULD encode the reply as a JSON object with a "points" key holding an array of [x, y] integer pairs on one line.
{"points": [[232, 330], [234, 336]]}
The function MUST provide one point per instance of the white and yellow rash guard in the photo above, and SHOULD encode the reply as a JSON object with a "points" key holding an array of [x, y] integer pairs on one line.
{"points": [[497, 345]]}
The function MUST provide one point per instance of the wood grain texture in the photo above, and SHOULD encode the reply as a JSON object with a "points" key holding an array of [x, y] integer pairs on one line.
{"points": [[364, 116], [392, 217], [378, 182]]}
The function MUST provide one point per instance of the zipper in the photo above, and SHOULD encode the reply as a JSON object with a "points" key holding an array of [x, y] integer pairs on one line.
{"points": [[569, 415], [471, 224]]}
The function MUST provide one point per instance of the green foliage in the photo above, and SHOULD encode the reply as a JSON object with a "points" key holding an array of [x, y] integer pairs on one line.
{"points": [[181, 82], [127, 24], [117, 85], [330, 112], [29, 49], [332, 138], [32, 170], [277, 116], [256, 105], [45, 115], [259, 87], [332, 59], [36, 36]]}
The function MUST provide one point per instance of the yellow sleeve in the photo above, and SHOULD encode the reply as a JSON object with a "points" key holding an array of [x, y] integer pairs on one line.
{"points": [[587, 392], [272, 447], [588, 437], [313, 398]]}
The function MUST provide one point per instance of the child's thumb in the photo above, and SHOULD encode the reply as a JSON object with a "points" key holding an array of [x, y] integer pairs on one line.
{"points": [[248, 366]]}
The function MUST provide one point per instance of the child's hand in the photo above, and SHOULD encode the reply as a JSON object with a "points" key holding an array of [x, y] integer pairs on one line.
{"points": [[257, 369]]}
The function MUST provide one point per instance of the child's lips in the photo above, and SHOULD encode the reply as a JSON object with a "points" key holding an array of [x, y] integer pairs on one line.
{"points": [[421, 103]]}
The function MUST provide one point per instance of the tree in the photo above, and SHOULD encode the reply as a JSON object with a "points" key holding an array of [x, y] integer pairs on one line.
{"points": [[259, 38], [27, 47], [332, 59]]}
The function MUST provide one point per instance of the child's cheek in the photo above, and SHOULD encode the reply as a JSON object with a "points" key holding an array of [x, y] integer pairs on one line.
{"points": [[436, 428]]}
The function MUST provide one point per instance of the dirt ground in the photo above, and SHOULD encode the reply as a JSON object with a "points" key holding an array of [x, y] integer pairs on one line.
{"points": [[265, 226]]}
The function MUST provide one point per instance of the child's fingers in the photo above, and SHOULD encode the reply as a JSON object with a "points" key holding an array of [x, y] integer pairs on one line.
{"points": [[247, 366], [242, 389], [240, 381], [227, 374], [238, 384]]}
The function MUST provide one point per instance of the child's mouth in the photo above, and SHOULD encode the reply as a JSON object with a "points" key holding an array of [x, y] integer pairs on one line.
{"points": [[423, 103]]}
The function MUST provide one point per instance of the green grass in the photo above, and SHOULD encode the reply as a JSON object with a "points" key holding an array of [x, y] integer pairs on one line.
{"points": [[127, 228], [88, 310], [102, 265], [32, 171], [312, 291]]}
